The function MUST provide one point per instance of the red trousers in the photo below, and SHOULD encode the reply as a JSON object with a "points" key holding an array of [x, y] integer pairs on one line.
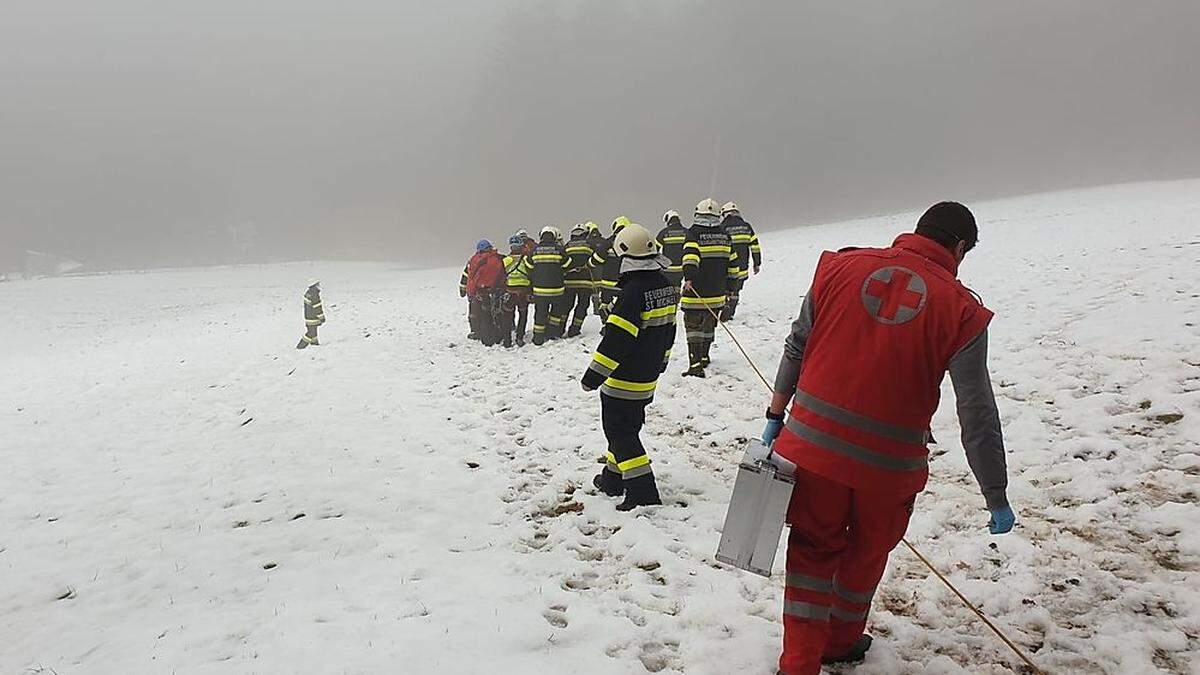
{"points": [[837, 550]]}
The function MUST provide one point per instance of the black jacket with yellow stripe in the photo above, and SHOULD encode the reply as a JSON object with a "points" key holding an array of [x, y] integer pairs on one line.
{"points": [[546, 268], [745, 243], [580, 275], [709, 263], [314, 311], [638, 337], [608, 266], [672, 238]]}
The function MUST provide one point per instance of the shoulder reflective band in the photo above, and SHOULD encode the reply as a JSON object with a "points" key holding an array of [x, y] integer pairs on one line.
{"points": [[623, 323]]}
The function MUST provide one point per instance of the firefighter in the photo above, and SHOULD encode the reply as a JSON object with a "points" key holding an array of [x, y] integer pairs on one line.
{"points": [[747, 248], [863, 364], [579, 282], [671, 239], [709, 265], [516, 298], [314, 314], [636, 347], [485, 291], [546, 268], [608, 264], [596, 241]]}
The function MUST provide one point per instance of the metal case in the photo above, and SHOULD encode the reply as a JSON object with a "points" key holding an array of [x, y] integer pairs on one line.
{"points": [[757, 510]]}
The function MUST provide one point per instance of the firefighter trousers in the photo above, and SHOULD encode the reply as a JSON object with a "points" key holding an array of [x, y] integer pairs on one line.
{"points": [[732, 298], [837, 549], [547, 318], [622, 421], [309, 338], [701, 328], [580, 298]]}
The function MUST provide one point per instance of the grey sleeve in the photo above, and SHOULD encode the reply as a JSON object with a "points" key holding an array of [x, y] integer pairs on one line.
{"points": [[979, 418], [793, 350]]}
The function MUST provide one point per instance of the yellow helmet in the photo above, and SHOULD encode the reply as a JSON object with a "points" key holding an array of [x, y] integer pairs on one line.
{"points": [[591, 227], [619, 223], [707, 207]]}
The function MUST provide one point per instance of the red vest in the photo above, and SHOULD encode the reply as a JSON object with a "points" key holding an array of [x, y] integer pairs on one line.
{"points": [[886, 323], [485, 270]]}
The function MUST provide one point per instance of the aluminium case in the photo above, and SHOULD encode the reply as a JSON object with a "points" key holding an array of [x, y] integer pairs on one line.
{"points": [[757, 510]]}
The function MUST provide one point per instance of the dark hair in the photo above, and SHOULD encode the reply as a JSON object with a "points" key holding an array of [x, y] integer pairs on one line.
{"points": [[948, 223]]}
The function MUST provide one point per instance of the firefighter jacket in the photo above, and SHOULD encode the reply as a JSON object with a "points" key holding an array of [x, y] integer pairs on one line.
{"points": [[709, 264], [638, 335], [884, 327], [671, 239], [546, 268], [516, 278], [314, 312], [745, 244], [608, 265], [579, 275]]}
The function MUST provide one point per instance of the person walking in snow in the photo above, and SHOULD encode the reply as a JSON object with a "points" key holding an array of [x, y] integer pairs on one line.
{"points": [[862, 367], [745, 248], [484, 289], [709, 265], [671, 239], [635, 349], [314, 314], [546, 268], [580, 286], [516, 297]]}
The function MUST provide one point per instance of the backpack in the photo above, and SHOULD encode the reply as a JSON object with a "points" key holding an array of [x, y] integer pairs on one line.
{"points": [[485, 270]]}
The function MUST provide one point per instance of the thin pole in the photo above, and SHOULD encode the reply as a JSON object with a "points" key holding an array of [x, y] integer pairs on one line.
{"points": [[1000, 634]]}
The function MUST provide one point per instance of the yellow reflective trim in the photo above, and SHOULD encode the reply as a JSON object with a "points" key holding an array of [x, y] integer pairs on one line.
{"points": [[631, 464], [621, 322], [659, 313], [714, 249], [547, 257], [692, 244], [538, 290], [691, 258], [605, 361], [630, 386]]}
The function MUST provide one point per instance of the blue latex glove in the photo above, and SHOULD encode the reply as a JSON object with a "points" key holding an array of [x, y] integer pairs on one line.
{"points": [[1002, 521], [771, 432]]}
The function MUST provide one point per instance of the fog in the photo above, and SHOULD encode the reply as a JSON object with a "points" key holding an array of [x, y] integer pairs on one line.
{"points": [[139, 133]]}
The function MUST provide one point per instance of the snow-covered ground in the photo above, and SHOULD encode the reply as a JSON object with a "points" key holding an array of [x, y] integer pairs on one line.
{"points": [[183, 492]]}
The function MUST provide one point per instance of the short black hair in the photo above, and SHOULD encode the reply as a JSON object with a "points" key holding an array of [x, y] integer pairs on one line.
{"points": [[948, 223]]}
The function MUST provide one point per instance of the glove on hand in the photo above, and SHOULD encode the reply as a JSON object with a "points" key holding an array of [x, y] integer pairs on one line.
{"points": [[1002, 521], [771, 432]]}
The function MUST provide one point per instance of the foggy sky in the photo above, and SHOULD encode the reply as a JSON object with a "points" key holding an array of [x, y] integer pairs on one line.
{"points": [[137, 132]]}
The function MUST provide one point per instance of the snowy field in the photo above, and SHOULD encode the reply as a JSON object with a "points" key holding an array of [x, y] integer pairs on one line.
{"points": [[181, 491]]}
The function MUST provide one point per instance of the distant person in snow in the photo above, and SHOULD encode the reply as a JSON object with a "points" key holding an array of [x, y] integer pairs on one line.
{"points": [[314, 314], [516, 296], [863, 366], [636, 347], [546, 268], [709, 266], [580, 286], [529, 243], [745, 248], [671, 239], [596, 241], [607, 268], [484, 291]]}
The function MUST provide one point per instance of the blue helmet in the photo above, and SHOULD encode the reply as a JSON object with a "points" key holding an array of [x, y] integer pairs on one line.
{"points": [[483, 245]]}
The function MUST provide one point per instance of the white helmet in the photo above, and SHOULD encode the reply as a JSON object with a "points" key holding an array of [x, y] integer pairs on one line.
{"points": [[707, 207], [728, 208], [578, 230], [549, 229], [669, 215], [635, 241], [313, 282]]}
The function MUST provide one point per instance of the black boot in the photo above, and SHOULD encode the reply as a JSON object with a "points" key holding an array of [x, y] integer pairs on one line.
{"points": [[694, 371], [302, 344], [856, 653], [575, 331], [640, 491], [609, 483]]}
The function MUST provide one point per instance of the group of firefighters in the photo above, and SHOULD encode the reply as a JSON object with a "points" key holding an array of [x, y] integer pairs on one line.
{"points": [[709, 261], [861, 372]]}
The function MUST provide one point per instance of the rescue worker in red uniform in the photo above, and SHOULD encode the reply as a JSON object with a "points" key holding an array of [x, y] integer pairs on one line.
{"points": [[486, 277], [863, 366]]}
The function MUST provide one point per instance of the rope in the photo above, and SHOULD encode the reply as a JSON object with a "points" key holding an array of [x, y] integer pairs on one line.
{"points": [[1000, 634]]}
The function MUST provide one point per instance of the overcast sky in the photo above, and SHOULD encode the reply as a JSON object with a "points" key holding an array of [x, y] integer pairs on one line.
{"points": [[138, 132]]}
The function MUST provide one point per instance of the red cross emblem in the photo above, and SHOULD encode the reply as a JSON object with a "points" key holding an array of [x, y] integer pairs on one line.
{"points": [[894, 295]]}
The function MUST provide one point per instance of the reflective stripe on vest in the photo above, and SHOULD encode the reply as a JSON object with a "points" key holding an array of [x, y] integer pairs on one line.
{"points": [[854, 420], [856, 452]]}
